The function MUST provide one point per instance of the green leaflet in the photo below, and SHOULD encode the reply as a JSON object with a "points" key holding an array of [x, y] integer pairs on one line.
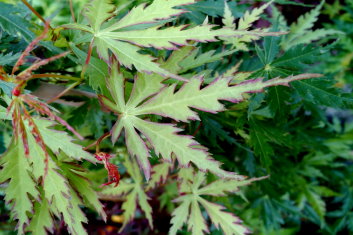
{"points": [[83, 187], [157, 10], [171, 36], [97, 70], [300, 31], [244, 23], [12, 23], [194, 59], [6, 59], [323, 92], [56, 189], [63, 200], [177, 105], [6, 87], [16, 168], [42, 219], [260, 144], [159, 174], [163, 137], [97, 12], [56, 140], [189, 211], [3, 114]]}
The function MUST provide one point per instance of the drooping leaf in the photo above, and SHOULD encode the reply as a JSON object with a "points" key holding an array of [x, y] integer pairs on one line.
{"points": [[83, 187], [21, 186], [42, 220], [63, 200]]}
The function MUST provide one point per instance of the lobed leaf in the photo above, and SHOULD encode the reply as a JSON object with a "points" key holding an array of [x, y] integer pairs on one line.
{"points": [[157, 10], [21, 186]]}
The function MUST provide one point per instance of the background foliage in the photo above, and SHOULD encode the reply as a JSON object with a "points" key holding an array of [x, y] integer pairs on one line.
{"points": [[300, 136]]}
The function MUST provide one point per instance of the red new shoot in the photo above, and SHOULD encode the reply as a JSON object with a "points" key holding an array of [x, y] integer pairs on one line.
{"points": [[113, 173]]}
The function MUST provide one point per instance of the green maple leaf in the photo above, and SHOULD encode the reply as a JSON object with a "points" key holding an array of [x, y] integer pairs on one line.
{"points": [[177, 105], [125, 43], [57, 192], [7, 59], [42, 219], [159, 174], [301, 33], [59, 140], [13, 23], [74, 173], [189, 210], [244, 24], [21, 186]]}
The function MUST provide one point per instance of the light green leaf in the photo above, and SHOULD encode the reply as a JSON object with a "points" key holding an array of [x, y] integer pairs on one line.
{"points": [[42, 220], [197, 223], [301, 31], [165, 141], [99, 11], [63, 200], [180, 215], [177, 105], [244, 24], [115, 84], [136, 146], [315, 35], [229, 223], [164, 138], [16, 168], [83, 187], [129, 207], [159, 175], [128, 56], [171, 36], [146, 85], [228, 19], [145, 206], [194, 60], [3, 114], [221, 186], [59, 140], [189, 211], [250, 17], [157, 10], [109, 40]]}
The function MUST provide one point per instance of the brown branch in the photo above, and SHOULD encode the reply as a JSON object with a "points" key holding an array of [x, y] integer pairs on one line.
{"points": [[29, 48], [72, 11], [35, 12]]}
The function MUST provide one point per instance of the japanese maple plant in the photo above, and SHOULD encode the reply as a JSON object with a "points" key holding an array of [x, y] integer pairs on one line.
{"points": [[146, 67]]}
